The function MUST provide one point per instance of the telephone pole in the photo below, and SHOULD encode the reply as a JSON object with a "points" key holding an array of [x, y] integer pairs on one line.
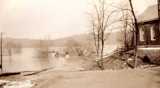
{"points": [[158, 4], [158, 9], [1, 65]]}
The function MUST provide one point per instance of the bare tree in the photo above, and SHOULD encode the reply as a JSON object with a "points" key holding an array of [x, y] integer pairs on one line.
{"points": [[134, 26], [98, 29], [74, 47], [128, 30], [136, 29], [101, 22]]}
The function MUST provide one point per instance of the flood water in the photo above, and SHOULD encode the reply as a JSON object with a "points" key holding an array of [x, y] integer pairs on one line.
{"points": [[27, 59], [30, 59]]}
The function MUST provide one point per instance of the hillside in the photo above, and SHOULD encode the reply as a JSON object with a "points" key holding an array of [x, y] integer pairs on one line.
{"points": [[83, 39]]}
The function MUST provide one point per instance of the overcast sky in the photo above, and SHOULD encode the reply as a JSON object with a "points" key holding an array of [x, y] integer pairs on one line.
{"points": [[56, 18]]}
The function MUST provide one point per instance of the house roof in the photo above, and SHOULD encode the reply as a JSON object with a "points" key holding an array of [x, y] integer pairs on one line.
{"points": [[151, 13]]}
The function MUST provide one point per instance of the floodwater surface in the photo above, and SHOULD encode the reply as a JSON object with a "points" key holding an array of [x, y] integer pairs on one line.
{"points": [[28, 59]]}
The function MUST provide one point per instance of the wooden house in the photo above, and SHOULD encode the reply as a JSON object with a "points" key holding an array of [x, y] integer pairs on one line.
{"points": [[149, 34]]}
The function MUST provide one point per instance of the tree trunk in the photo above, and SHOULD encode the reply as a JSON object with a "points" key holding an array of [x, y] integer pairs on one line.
{"points": [[136, 30]]}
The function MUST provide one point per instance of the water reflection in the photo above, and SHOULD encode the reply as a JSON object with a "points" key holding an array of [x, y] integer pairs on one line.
{"points": [[29, 59]]}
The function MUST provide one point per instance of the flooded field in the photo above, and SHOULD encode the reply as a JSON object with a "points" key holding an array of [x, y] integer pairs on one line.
{"points": [[28, 59], [32, 59]]}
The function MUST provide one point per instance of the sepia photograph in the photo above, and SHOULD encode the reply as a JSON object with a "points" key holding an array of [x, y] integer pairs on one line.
{"points": [[79, 43]]}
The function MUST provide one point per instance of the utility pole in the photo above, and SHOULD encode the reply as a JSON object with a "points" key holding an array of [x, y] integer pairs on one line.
{"points": [[159, 12], [158, 4], [158, 9], [1, 65]]}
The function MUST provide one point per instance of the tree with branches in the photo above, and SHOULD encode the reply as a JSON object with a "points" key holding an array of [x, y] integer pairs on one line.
{"points": [[133, 24], [99, 25], [101, 22]]}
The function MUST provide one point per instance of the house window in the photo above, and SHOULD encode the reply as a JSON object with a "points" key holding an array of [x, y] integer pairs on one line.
{"points": [[149, 34], [153, 33], [142, 34]]}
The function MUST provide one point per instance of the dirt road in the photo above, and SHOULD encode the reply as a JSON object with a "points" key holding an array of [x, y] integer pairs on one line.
{"points": [[98, 79], [68, 75]]}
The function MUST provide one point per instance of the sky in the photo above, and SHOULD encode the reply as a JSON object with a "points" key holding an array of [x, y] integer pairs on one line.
{"points": [[54, 18]]}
